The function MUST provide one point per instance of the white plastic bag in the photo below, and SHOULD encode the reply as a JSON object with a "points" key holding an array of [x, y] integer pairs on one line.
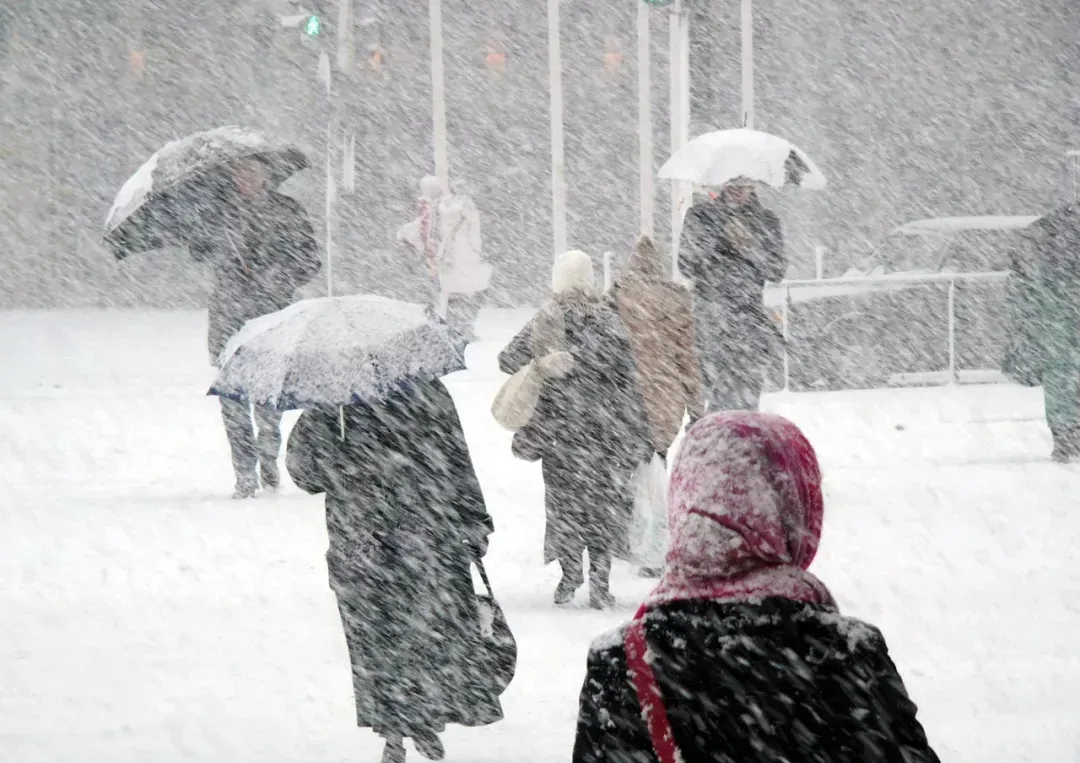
{"points": [[648, 529]]}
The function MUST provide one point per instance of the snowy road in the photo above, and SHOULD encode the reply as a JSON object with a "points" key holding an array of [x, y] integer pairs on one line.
{"points": [[145, 616]]}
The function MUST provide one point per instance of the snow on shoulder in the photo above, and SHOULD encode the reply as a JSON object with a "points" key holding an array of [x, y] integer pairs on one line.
{"points": [[857, 633], [609, 640]]}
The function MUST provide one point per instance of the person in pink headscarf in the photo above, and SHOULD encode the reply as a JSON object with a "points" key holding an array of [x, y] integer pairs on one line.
{"points": [[740, 654]]}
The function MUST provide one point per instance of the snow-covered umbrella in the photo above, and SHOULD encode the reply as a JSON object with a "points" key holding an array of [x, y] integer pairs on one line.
{"points": [[330, 352], [716, 158], [161, 203]]}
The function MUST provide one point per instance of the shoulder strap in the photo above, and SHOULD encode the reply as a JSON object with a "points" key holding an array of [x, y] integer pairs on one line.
{"points": [[648, 693]]}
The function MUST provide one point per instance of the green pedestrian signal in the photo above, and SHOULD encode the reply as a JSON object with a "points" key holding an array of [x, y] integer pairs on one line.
{"points": [[313, 26]]}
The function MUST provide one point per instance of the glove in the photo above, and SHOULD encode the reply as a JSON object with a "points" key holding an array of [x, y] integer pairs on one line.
{"points": [[477, 546]]}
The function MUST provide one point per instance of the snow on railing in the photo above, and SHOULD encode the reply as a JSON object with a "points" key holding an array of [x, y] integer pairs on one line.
{"points": [[949, 375]]}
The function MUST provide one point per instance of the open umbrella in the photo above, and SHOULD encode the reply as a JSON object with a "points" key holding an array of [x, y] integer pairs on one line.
{"points": [[161, 203], [715, 158], [336, 351]]}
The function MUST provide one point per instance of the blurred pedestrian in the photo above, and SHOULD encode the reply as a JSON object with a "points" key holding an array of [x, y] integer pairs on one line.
{"points": [[657, 313], [405, 517], [730, 247], [740, 653], [263, 249], [589, 428], [1044, 301], [447, 232]]}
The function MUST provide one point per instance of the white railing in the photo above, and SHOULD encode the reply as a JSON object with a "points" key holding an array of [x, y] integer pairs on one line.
{"points": [[841, 286]]}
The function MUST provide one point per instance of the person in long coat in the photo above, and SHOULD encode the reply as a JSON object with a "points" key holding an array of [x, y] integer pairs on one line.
{"points": [[730, 247], [263, 249], [406, 517], [589, 429], [740, 654], [1044, 297], [658, 314]]}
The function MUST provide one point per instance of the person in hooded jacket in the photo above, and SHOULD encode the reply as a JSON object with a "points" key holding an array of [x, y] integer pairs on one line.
{"points": [[740, 653], [263, 249], [729, 247], [657, 313], [589, 428], [406, 518]]}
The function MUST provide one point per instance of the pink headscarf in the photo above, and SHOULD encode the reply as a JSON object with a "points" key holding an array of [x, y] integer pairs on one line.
{"points": [[745, 513]]}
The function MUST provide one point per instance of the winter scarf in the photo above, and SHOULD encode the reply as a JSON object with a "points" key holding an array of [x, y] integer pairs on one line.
{"points": [[745, 513]]}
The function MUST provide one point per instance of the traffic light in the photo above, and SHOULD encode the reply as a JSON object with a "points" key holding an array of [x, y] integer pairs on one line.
{"points": [[313, 26]]}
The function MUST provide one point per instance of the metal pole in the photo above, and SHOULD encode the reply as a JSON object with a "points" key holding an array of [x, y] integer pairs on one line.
{"points": [[748, 63], [645, 136], [326, 76], [329, 208], [438, 93], [952, 331], [558, 166], [675, 110]]}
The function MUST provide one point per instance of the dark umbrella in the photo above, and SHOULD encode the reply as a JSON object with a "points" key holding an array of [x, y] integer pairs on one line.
{"points": [[161, 204]]}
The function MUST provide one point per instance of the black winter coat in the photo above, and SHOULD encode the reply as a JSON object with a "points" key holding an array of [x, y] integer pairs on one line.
{"points": [[730, 271], [262, 253], [405, 517], [777, 682], [591, 430]]}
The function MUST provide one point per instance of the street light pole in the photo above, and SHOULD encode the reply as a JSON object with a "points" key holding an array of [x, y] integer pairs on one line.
{"points": [[645, 136], [558, 165], [748, 63], [679, 70], [438, 93]]}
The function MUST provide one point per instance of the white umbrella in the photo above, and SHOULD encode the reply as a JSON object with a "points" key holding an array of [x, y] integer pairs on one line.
{"points": [[715, 158], [336, 351]]}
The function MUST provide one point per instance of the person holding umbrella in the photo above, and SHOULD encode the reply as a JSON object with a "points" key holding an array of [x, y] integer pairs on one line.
{"points": [[730, 246], [405, 515], [263, 248], [214, 192]]}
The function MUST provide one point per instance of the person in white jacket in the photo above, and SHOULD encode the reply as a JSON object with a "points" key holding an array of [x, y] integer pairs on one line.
{"points": [[447, 233]]}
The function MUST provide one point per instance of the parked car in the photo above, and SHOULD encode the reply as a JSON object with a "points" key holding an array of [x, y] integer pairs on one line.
{"points": [[887, 320]]}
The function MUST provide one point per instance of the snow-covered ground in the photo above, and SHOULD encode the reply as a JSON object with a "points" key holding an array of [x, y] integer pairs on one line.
{"points": [[144, 616]]}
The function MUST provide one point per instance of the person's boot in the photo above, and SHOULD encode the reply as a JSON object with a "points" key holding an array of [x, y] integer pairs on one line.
{"points": [[270, 475], [600, 598], [1066, 446], [394, 751], [429, 745], [564, 592], [246, 487]]}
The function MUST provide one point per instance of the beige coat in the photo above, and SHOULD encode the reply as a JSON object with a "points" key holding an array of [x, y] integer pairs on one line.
{"points": [[658, 315]]}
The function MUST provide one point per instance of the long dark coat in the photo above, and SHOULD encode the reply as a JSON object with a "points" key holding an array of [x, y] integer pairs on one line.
{"points": [[590, 429], [779, 681], [262, 251], [730, 252], [405, 516]]}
